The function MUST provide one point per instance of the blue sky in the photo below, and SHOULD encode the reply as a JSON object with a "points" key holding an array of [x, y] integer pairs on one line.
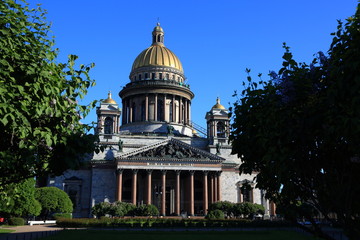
{"points": [[215, 40]]}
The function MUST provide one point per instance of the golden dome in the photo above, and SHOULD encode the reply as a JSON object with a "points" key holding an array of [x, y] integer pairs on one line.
{"points": [[109, 99], [218, 105], [157, 54]]}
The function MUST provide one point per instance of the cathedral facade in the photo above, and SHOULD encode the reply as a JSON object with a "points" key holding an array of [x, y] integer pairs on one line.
{"points": [[157, 155]]}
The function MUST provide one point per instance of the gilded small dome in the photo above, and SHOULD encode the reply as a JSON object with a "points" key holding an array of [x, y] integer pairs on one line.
{"points": [[218, 105], [109, 99], [157, 54], [158, 28]]}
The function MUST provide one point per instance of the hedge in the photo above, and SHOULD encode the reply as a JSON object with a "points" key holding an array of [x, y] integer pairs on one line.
{"points": [[16, 221], [168, 222]]}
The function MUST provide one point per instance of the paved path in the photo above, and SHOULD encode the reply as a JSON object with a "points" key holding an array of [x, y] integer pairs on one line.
{"points": [[35, 228], [29, 232]]}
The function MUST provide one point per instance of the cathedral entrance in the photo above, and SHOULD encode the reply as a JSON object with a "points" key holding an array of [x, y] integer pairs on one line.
{"points": [[169, 197]]}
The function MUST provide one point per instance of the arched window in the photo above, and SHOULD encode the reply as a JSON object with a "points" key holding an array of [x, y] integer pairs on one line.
{"points": [[143, 108], [160, 110], [246, 190], [220, 130], [108, 125]]}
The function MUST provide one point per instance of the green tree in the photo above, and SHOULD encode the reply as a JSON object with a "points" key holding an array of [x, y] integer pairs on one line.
{"points": [[301, 132], [53, 200], [40, 117], [22, 200]]}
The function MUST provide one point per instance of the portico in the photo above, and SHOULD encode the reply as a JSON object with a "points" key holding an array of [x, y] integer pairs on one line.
{"points": [[178, 181]]}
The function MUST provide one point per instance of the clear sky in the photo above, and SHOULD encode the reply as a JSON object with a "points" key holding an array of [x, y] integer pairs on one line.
{"points": [[215, 40]]}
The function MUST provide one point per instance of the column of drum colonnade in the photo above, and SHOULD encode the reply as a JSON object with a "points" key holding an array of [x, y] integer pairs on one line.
{"points": [[181, 116], [211, 192]]}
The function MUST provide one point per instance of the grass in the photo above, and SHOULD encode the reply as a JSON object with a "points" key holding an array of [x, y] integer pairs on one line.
{"points": [[6, 230], [211, 235]]}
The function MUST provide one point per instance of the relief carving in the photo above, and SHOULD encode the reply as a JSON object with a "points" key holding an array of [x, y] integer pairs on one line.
{"points": [[169, 151]]}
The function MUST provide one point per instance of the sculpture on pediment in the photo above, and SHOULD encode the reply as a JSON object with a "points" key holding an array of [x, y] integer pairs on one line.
{"points": [[120, 145], [170, 130], [170, 151]]}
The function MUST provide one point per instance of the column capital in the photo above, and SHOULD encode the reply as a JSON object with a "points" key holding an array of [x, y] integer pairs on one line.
{"points": [[163, 172], [177, 172], [218, 173], [149, 171], [119, 171], [135, 171], [206, 173], [191, 172]]}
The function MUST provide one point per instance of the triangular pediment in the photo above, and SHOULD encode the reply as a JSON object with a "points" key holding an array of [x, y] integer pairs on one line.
{"points": [[171, 150]]}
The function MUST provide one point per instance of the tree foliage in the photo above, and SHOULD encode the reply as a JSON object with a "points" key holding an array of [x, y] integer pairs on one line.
{"points": [[243, 209], [40, 117], [22, 200], [53, 200], [301, 131]]}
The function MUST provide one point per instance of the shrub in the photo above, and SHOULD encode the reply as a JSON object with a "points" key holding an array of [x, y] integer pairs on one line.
{"points": [[247, 209], [16, 221], [120, 209], [259, 208], [224, 206], [147, 210], [62, 215], [215, 214], [101, 209], [22, 202], [52, 200]]}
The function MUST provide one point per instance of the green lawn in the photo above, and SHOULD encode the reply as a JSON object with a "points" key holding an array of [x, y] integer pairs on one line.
{"points": [[186, 235], [6, 230]]}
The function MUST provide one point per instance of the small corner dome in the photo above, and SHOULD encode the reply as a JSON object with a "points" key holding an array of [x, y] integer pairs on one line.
{"points": [[218, 105], [109, 99]]}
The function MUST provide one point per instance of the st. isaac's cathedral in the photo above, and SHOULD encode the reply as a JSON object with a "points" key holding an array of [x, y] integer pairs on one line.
{"points": [[157, 155]]}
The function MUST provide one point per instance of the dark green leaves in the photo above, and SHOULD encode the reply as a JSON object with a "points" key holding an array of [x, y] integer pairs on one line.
{"points": [[301, 129]]}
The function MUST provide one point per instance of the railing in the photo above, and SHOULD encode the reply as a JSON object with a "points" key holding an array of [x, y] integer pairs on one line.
{"points": [[158, 82], [201, 130]]}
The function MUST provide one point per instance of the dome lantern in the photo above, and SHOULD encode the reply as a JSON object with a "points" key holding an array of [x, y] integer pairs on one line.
{"points": [[158, 35], [154, 57]]}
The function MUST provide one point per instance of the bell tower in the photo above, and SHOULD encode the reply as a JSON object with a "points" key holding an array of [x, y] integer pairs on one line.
{"points": [[108, 115], [218, 124]]}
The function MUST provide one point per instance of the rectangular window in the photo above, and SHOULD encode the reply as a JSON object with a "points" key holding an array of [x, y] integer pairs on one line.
{"points": [[160, 76]]}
